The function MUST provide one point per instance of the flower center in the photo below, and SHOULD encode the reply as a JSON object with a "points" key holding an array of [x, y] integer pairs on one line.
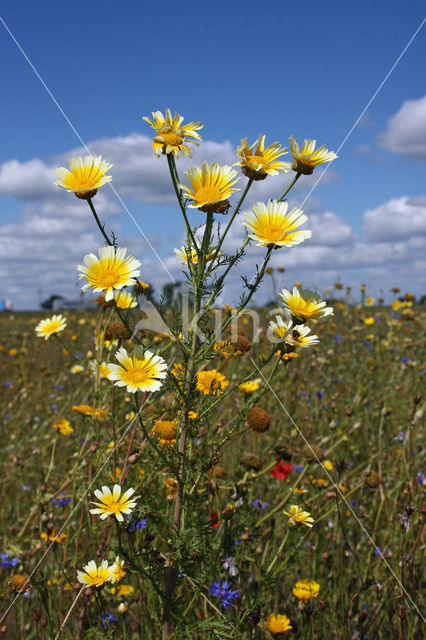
{"points": [[137, 375], [169, 139], [256, 160], [275, 233], [108, 278], [115, 507], [209, 194]]}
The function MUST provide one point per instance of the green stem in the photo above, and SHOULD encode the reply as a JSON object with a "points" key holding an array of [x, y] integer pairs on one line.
{"points": [[290, 186], [98, 222], [175, 180]]}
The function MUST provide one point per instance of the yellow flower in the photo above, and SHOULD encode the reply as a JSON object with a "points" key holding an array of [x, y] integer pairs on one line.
{"points": [[183, 252], [111, 271], [298, 516], [273, 227], [170, 486], [76, 368], [112, 503], [118, 573], [87, 410], [115, 475], [278, 623], [304, 304], [178, 372], [211, 186], [171, 135], [122, 590], [249, 387], [211, 382], [280, 329], [64, 427], [85, 176], [125, 300], [307, 159], [48, 327], [327, 464], [257, 162], [369, 301], [369, 321], [103, 370], [299, 337], [93, 576], [54, 537], [13, 352], [142, 371], [165, 431], [306, 589]]}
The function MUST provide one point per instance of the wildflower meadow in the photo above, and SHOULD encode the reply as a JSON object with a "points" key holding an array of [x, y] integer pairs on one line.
{"points": [[180, 468]]}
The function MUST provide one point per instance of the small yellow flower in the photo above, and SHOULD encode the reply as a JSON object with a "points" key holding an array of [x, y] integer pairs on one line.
{"points": [[273, 227], [258, 162], [122, 590], [211, 186], [304, 304], [112, 270], [87, 410], [64, 427], [171, 135], [170, 486], [85, 176], [327, 464], [369, 321], [48, 327], [278, 623], [54, 537], [103, 370], [211, 382], [93, 576], [118, 572], [13, 352], [369, 301], [183, 252], [76, 368], [298, 516], [115, 475], [249, 387], [165, 432], [305, 160], [143, 371], [112, 503], [125, 300], [306, 590]]}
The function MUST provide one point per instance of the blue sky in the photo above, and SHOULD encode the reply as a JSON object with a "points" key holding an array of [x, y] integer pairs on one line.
{"points": [[241, 68]]}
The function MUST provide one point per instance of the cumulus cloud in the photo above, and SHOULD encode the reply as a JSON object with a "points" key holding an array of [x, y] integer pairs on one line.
{"points": [[396, 219], [406, 130]]}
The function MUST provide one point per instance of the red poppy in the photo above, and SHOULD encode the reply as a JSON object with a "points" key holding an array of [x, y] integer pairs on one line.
{"points": [[214, 520], [282, 470]]}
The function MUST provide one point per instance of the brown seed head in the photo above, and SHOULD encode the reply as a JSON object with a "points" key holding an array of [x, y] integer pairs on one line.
{"points": [[313, 454], [251, 461], [258, 420]]}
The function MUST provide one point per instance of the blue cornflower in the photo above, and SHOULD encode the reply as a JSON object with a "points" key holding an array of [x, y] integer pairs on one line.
{"points": [[259, 504], [337, 338], [400, 437], [319, 394], [228, 564], [58, 387], [405, 360], [420, 478], [378, 551], [54, 407], [298, 468], [137, 524], [8, 384], [303, 394], [78, 355], [108, 620], [7, 562], [224, 591], [61, 502]]}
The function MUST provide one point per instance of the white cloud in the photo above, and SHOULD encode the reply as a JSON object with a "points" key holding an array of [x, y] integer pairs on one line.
{"points": [[396, 219], [406, 130]]}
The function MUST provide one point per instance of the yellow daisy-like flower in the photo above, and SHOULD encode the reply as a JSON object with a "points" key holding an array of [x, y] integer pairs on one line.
{"points": [[112, 270], [165, 432], [369, 321], [112, 503], [300, 337], [327, 464], [304, 304], [171, 134], [278, 623], [122, 590], [170, 486], [273, 227], [54, 537], [279, 330], [307, 159], [125, 300], [48, 327], [369, 301], [143, 371], [93, 576], [297, 516], [257, 162], [306, 590], [84, 177], [64, 427], [87, 410], [211, 186], [249, 387], [103, 370], [211, 382], [182, 254], [118, 573]]}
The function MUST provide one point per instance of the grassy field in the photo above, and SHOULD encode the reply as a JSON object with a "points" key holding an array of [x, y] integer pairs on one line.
{"points": [[356, 398]]}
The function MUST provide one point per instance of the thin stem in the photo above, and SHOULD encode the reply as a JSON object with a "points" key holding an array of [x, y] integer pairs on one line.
{"points": [[98, 222], [175, 180], [290, 186]]}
